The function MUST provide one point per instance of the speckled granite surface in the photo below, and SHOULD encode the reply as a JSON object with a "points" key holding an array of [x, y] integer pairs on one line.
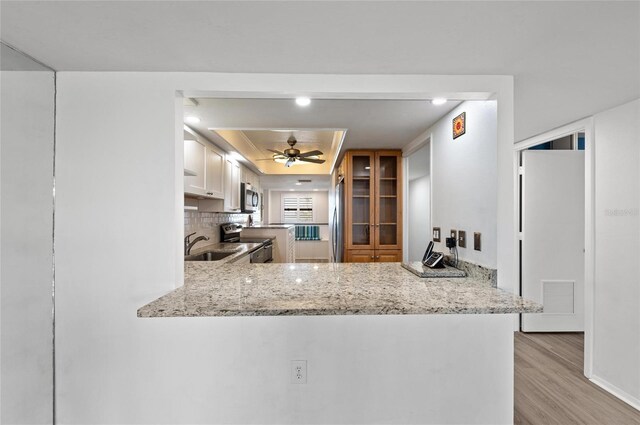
{"points": [[419, 270], [213, 289], [476, 271]]}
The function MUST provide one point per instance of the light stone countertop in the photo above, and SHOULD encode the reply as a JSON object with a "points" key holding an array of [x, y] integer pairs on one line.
{"points": [[213, 289]]}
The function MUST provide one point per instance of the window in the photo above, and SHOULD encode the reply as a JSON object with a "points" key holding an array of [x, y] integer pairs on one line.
{"points": [[297, 209]]}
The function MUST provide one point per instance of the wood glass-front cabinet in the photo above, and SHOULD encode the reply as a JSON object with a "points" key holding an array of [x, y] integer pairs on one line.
{"points": [[373, 199]]}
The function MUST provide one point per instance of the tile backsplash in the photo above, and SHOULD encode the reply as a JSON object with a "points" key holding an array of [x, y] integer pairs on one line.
{"points": [[208, 223]]}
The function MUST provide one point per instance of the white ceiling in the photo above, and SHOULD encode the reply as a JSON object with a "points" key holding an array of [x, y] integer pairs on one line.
{"points": [[569, 59], [369, 124]]}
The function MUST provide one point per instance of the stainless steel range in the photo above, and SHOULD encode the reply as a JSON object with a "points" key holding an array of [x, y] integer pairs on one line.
{"points": [[230, 233]]}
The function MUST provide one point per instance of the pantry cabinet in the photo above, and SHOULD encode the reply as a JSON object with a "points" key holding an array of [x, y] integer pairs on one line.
{"points": [[373, 198]]}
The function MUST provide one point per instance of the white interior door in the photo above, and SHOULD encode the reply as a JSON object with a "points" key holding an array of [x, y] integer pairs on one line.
{"points": [[553, 239]]}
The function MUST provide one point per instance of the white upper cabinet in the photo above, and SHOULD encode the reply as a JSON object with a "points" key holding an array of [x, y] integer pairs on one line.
{"points": [[215, 172], [203, 167], [232, 185]]}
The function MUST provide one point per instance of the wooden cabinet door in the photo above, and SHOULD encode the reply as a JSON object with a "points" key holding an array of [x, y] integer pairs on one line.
{"points": [[359, 198], [388, 200], [360, 256], [194, 164], [388, 256], [215, 173]]}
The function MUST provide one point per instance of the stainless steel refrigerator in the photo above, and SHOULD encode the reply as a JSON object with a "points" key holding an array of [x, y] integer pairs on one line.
{"points": [[337, 231]]}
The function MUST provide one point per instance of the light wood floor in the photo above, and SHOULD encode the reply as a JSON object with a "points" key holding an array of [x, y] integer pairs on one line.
{"points": [[550, 387]]}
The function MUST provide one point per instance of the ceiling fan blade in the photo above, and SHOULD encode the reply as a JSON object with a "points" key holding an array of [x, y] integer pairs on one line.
{"points": [[315, 161], [290, 162], [264, 159], [276, 152], [310, 153]]}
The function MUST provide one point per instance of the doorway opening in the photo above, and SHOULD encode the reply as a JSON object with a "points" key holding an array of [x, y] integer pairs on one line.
{"points": [[554, 237]]}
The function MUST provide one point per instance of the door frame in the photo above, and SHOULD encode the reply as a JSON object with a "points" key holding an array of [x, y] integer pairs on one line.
{"points": [[408, 150], [585, 126]]}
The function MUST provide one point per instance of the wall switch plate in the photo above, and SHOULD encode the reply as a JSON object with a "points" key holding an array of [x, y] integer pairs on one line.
{"points": [[462, 239], [436, 234], [476, 241], [298, 371], [454, 234]]}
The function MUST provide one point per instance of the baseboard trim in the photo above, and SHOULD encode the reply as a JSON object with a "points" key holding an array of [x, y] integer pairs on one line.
{"points": [[617, 392]]}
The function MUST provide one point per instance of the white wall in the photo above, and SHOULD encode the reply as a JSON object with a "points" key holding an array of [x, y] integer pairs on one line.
{"points": [[26, 244], [419, 202], [116, 250], [616, 334], [320, 205], [464, 180]]}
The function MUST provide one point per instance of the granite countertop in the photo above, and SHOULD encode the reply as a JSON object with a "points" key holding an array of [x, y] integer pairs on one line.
{"points": [[213, 289], [420, 270], [239, 250]]}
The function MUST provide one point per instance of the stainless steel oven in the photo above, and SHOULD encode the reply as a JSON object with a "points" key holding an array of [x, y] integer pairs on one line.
{"points": [[230, 234], [249, 198]]}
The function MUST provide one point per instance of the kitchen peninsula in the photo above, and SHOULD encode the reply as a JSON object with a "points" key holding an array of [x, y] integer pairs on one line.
{"points": [[376, 338], [215, 289]]}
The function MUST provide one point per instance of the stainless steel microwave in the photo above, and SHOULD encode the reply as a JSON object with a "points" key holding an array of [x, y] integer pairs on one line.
{"points": [[249, 198]]}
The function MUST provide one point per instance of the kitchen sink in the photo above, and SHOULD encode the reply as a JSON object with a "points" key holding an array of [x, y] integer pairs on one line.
{"points": [[208, 256]]}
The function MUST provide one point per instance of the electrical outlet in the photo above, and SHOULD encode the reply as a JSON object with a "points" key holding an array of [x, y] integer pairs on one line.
{"points": [[462, 239], [298, 371], [436, 234], [476, 241]]}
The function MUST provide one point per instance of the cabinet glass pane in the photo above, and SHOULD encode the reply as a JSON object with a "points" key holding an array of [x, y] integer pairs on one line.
{"points": [[388, 167], [388, 188], [388, 210], [388, 234], [361, 167], [361, 202], [360, 234]]}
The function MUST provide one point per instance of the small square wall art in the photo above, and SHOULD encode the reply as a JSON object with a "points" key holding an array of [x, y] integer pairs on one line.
{"points": [[459, 125]]}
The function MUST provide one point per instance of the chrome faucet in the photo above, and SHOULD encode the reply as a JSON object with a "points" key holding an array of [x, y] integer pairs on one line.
{"points": [[188, 244]]}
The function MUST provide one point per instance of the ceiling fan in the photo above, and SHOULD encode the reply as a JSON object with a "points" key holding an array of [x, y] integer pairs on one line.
{"points": [[292, 154]]}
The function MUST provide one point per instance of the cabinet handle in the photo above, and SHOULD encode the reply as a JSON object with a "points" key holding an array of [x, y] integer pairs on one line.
{"points": [[372, 257], [377, 257], [209, 193]]}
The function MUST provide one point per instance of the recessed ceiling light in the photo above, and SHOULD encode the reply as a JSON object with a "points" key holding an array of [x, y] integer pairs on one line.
{"points": [[283, 131], [438, 101], [291, 190], [192, 120], [315, 190], [298, 183], [303, 101]]}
